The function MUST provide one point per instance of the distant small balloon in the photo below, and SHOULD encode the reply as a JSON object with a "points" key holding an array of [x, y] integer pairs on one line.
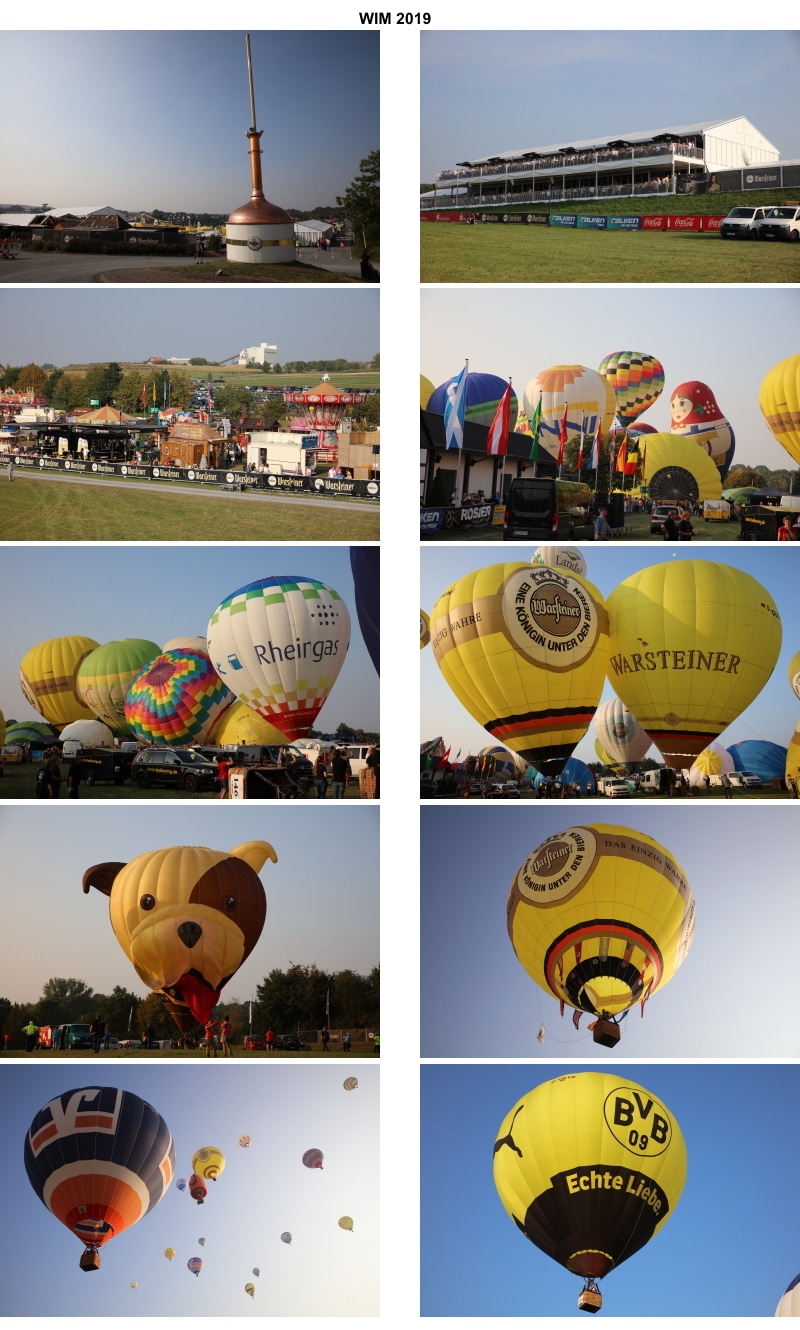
{"points": [[256, 1271], [244, 1141], [346, 1223], [313, 1158], [170, 1253], [287, 1238], [351, 1083], [201, 1242], [134, 1284], [181, 1184], [195, 1265], [250, 1290]]}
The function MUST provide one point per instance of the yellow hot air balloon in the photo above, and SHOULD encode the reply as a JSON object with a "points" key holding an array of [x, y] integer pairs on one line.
{"points": [[779, 399], [47, 677], [692, 643], [170, 1253], [250, 1290], [678, 467], [794, 673], [590, 1167], [426, 391], [524, 648], [607, 760], [241, 725], [346, 1223], [793, 756], [208, 1162], [424, 629], [2, 729], [600, 917], [586, 395]]}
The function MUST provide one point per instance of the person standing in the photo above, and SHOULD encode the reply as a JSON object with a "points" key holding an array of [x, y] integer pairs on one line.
{"points": [[106, 1037], [6, 1042], [269, 1040], [325, 1037], [74, 778], [223, 770], [669, 527], [320, 776], [376, 1039], [211, 1043], [225, 1037], [10, 468], [96, 1031], [786, 530], [602, 528], [374, 764], [685, 528], [42, 788], [340, 772], [30, 1032], [727, 788]]}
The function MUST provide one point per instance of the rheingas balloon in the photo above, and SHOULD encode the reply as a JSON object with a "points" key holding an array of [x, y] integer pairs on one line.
{"points": [[524, 648]]}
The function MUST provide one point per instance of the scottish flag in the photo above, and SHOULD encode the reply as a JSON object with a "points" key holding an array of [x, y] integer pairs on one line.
{"points": [[455, 407]]}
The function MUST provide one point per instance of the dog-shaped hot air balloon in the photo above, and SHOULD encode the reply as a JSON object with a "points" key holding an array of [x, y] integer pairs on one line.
{"points": [[187, 918]]}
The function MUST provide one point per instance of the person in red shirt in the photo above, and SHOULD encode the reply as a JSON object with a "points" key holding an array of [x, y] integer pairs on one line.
{"points": [[211, 1043]]}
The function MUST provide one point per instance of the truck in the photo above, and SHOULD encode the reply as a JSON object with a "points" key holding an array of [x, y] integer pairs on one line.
{"points": [[278, 452], [542, 508]]}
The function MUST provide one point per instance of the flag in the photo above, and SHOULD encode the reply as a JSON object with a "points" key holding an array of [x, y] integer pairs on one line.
{"points": [[562, 436], [540, 1035], [328, 1006], [523, 425], [442, 763], [454, 409], [642, 451], [144, 394], [594, 460], [154, 391], [622, 454], [536, 419], [580, 445], [497, 438]]}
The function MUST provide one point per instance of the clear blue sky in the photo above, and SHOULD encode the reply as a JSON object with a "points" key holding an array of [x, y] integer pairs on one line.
{"points": [[491, 92], [102, 324], [478, 1001], [301, 927], [158, 594], [263, 1192], [729, 1249], [774, 713], [728, 339], [158, 119]]}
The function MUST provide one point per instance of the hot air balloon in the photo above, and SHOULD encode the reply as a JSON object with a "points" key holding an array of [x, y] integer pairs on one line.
{"points": [[208, 1162], [794, 673], [351, 1083], [170, 1253], [576, 772], [244, 1141], [181, 1184], [279, 645], [779, 399], [346, 1223], [696, 415], [600, 917], [104, 676], [501, 764], [789, 1304], [585, 394], [424, 629], [426, 391], [134, 1284], [187, 918], [99, 1159], [620, 733], [313, 1158], [2, 729], [605, 757], [47, 678], [184, 644], [793, 756], [197, 1189], [195, 1265], [524, 649], [560, 556], [711, 762], [250, 1290], [201, 1242], [483, 395], [691, 644], [240, 724], [765, 759], [589, 1166], [287, 1238], [88, 733], [636, 380], [176, 698], [256, 1271], [675, 469], [365, 561]]}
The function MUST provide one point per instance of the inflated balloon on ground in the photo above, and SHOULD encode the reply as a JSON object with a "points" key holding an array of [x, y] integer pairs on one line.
{"points": [[47, 677], [779, 399], [695, 415], [104, 676], [482, 397], [586, 395], [176, 699]]}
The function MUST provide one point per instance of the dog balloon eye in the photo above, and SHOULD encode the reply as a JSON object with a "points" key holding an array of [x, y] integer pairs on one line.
{"points": [[147, 902], [229, 902]]}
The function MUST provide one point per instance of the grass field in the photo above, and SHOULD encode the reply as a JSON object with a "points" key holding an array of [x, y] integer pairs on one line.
{"points": [[19, 777], [190, 1054], [219, 272], [249, 374], [637, 527], [450, 252], [32, 509]]}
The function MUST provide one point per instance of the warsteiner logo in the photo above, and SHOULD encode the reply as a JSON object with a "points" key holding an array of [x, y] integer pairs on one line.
{"points": [[550, 616], [557, 868]]}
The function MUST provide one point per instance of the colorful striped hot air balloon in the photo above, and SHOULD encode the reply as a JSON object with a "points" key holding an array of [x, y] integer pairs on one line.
{"points": [[636, 380], [178, 697]]}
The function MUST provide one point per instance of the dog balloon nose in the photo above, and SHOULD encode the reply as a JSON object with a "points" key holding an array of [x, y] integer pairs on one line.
{"points": [[190, 933]]}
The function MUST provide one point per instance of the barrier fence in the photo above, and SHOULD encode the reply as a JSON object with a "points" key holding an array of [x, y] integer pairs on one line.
{"points": [[243, 480], [579, 221]]}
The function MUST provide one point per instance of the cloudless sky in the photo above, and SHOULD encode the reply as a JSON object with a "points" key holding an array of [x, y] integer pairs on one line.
{"points": [[729, 1249], [161, 593], [326, 918], [772, 715], [484, 93], [144, 120], [263, 1192], [478, 1001], [103, 324], [728, 339]]}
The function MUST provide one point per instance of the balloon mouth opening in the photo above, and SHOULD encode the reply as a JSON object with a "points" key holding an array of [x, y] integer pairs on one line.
{"points": [[590, 1264], [161, 673], [199, 996]]}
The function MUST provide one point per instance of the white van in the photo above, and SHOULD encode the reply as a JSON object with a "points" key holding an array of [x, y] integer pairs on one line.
{"points": [[358, 753]]}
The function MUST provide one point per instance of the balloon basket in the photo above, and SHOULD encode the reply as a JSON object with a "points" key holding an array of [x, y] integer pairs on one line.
{"points": [[591, 1299], [90, 1260], [607, 1033]]}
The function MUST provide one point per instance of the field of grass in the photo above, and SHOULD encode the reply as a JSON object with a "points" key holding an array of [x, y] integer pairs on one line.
{"points": [[33, 509], [251, 374], [19, 778], [221, 273], [450, 252], [190, 1054]]}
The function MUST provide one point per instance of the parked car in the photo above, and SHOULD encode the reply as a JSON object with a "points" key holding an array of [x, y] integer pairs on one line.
{"points": [[740, 224], [255, 1043], [780, 223], [658, 515], [505, 789], [181, 768], [614, 787], [290, 1043], [105, 764], [745, 780]]}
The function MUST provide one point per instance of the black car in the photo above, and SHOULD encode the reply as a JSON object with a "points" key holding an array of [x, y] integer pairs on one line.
{"points": [[290, 1043], [105, 764], [182, 768]]}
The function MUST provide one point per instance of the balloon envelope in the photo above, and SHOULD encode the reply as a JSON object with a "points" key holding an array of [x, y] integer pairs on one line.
{"points": [[560, 556], [250, 1289], [104, 676], [240, 724], [426, 391], [713, 761], [619, 732], [176, 698], [170, 1253], [90, 733], [29, 732], [424, 629], [483, 395], [636, 380], [600, 916], [99, 1159], [692, 644], [789, 1304], [365, 561], [201, 1242], [351, 1083], [779, 399], [524, 648], [346, 1223], [195, 1265], [181, 1184], [208, 1162], [279, 645], [558, 1137], [695, 415], [794, 673], [675, 469], [244, 1141], [47, 677], [313, 1158], [287, 1238], [765, 759], [586, 395]]}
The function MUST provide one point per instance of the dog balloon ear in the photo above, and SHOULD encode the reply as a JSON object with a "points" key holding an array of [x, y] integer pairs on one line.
{"points": [[102, 877], [255, 853]]}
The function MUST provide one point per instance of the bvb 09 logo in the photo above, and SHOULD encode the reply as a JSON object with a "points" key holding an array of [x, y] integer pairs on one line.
{"points": [[638, 1121]]}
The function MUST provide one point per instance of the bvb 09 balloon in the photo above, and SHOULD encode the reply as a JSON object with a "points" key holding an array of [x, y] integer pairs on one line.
{"points": [[104, 676], [524, 649], [175, 698], [590, 1167], [279, 645], [636, 380], [99, 1159], [47, 678], [691, 645], [779, 399], [187, 918], [600, 917], [208, 1162]]}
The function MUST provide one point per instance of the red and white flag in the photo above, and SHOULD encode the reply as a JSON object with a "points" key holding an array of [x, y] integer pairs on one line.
{"points": [[497, 438]]}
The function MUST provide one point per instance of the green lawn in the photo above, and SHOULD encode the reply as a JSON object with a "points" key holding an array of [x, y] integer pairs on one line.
{"points": [[19, 777], [453, 252], [219, 271], [32, 509]]}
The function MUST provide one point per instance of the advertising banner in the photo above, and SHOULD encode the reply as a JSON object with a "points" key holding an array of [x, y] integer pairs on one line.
{"points": [[653, 223], [589, 223], [430, 520], [683, 223], [624, 223], [711, 223], [479, 514], [563, 219], [537, 218], [762, 177]]}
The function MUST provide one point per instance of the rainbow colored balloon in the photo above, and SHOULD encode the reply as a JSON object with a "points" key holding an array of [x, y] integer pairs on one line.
{"points": [[176, 698], [636, 380]]}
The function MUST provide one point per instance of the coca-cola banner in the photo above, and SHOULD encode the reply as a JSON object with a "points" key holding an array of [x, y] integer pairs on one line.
{"points": [[654, 223]]}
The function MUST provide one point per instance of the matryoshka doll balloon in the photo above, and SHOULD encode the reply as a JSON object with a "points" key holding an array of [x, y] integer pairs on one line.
{"points": [[695, 413]]}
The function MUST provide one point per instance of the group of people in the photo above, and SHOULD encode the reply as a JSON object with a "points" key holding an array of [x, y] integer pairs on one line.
{"points": [[49, 778], [677, 525]]}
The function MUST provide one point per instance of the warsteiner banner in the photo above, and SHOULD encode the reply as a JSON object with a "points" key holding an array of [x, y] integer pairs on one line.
{"points": [[242, 480]]}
